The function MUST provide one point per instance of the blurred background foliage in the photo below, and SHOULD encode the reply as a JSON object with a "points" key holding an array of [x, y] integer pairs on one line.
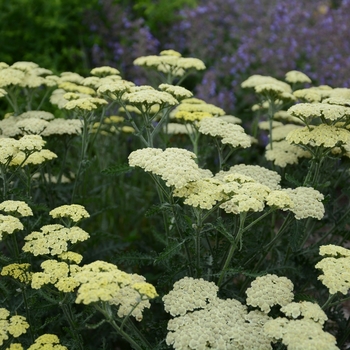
{"points": [[234, 38]]}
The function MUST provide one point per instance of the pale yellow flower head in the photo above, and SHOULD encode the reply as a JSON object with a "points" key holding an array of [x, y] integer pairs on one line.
{"points": [[59, 274], [283, 153], [305, 309], [202, 110], [189, 294], [9, 224], [229, 133], [16, 208], [308, 95], [15, 325], [295, 76], [274, 92], [10, 77], [243, 197], [114, 89], [203, 193], [53, 239], [37, 114], [31, 143], [71, 77], [286, 117], [61, 126], [2, 93], [307, 203], [336, 268], [19, 272], [176, 166], [35, 158], [256, 80], [85, 104], [178, 92], [259, 174], [102, 281], [47, 341], [269, 290], [144, 99], [279, 199], [300, 334], [309, 111], [74, 212], [32, 125], [170, 62], [104, 71], [327, 136]]}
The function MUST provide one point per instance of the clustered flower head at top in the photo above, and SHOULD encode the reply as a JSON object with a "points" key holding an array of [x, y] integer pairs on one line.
{"points": [[240, 189]]}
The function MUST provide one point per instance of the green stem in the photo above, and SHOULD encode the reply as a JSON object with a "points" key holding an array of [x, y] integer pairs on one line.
{"points": [[109, 317], [69, 316], [178, 229], [233, 247], [83, 151]]}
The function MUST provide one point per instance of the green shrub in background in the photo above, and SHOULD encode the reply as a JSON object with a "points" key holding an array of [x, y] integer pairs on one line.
{"points": [[160, 12], [51, 33]]}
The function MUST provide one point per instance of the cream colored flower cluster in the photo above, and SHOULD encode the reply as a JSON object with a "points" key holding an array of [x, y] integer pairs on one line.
{"points": [[74, 212], [39, 122], [27, 150], [307, 202], [25, 74], [58, 273], [269, 290], [300, 334], [176, 166], [193, 109], [229, 133], [53, 239], [309, 111], [260, 174], [243, 194], [171, 63], [296, 77], [336, 268], [189, 294], [328, 136], [283, 153], [144, 97], [19, 272], [9, 224], [203, 321], [203, 193], [257, 79], [16, 208], [102, 281], [178, 92], [47, 342], [15, 325]]}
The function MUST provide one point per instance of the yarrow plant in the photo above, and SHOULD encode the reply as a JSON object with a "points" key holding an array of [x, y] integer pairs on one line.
{"points": [[158, 220]]}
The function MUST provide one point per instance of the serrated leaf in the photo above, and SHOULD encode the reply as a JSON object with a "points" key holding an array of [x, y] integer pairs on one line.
{"points": [[170, 251], [136, 258], [292, 180], [117, 169]]}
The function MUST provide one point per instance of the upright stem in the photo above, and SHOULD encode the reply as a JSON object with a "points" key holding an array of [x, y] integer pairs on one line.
{"points": [[107, 313], [233, 246]]}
